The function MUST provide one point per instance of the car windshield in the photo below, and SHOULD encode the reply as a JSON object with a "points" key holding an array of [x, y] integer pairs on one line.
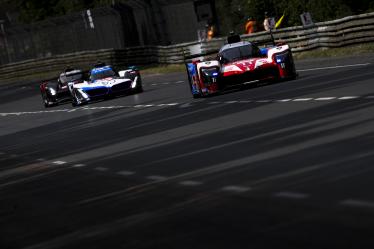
{"points": [[238, 53], [71, 77], [97, 74]]}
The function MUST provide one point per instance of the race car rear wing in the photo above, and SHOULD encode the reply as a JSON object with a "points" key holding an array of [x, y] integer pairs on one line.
{"points": [[232, 38]]}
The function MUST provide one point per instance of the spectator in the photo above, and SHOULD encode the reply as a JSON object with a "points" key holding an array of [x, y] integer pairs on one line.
{"points": [[210, 31], [250, 26], [267, 22]]}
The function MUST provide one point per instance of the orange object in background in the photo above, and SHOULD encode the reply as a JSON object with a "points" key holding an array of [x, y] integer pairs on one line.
{"points": [[210, 33], [250, 26]]}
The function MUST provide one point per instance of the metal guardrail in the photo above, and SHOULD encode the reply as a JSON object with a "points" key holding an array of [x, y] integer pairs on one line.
{"points": [[346, 31]]}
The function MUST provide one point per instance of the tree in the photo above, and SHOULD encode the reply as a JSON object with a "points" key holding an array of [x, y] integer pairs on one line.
{"points": [[232, 14]]}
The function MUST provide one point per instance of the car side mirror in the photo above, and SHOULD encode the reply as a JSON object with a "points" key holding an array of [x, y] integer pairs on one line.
{"points": [[263, 52]]}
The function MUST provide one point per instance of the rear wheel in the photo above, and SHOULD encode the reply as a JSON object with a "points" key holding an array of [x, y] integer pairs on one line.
{"points": [[139, 88], [290, 66]]}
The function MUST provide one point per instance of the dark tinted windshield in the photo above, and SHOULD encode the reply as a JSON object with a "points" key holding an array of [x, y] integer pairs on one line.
{"points": [[72, 77], [239, 53], [102, 74]]}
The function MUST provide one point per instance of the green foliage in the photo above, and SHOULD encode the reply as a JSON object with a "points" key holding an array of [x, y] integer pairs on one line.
{"points": [[36, 10], [232, 14]]}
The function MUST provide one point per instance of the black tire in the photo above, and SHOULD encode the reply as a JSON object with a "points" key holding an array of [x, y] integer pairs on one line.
{"points": [[139, 86], [49, 100], [197, 96], [139, 89], [74, 101], [46, 100]]}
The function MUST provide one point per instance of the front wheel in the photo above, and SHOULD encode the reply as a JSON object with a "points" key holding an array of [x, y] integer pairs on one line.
{"points": [[196, 93], [74, 100], [75, 103], [197, 96], [46, 100]]}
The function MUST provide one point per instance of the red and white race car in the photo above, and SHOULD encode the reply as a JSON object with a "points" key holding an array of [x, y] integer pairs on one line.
{"points": [[240, 62]]}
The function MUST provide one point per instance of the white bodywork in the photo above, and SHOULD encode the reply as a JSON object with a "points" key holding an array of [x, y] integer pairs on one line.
{"points": [[107, 82]]}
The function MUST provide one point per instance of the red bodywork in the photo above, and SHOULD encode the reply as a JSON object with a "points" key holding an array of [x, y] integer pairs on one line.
{"points": [[271, 64]]}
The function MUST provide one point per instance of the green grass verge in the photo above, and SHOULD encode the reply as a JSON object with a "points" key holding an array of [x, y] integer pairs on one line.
{"points": [[336, 52], [317, 53]]}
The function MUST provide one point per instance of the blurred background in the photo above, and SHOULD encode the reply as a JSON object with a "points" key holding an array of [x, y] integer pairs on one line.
{"points": [[42, 28]]}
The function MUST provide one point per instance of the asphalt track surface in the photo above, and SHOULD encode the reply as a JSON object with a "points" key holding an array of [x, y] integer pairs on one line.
{"points": [[286, 165]]}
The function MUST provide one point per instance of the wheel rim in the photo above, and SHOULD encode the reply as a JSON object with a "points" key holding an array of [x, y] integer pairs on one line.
{"points": [[45, 99]]}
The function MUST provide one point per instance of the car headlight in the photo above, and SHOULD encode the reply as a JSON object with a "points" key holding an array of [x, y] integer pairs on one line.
{"points": [[52, 91]]}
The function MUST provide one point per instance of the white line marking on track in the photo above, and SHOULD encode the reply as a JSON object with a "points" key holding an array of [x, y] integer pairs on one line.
{"points": [[250, 82], [357, 203], [153, 84], [156, 178], [185, 105], [302, 99], [334, 67], [101, 169], [264, 101], [125, 173], [178, 82], [349, 97], [324, 98], [59, 162], [170, 104], [190, 183], [78, 165], [237, 189], [291, 195], [284, 100]]}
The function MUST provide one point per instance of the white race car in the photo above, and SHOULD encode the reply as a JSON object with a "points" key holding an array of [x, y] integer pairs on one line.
{"points": [[105, 82]]}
